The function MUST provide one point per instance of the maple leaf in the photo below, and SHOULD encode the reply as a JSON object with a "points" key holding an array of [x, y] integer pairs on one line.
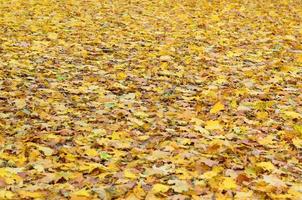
{"points": [[179, 185], [143, 100], [216, 108], [52, 35], [157, 188], [273, 180], [213, 125], [266, 166], [129, 174], [228, 184], [5, 194]]}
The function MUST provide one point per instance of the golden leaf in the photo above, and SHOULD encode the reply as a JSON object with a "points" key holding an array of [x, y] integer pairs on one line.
{"points": [[292, 114], [217, 107], [20, 103], [228, 184], [31, 194], [266, 166], [121, 76], [213, 125], [5, 194], [157, 188], [83, 192], [52, 36], [297, 142], [129, 174]]}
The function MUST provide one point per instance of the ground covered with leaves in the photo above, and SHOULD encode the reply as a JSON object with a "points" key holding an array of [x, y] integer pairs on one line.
{"points": [[150, 99]]}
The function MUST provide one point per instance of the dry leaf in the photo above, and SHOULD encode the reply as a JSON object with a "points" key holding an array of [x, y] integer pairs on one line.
{"points": [[216, 108]]}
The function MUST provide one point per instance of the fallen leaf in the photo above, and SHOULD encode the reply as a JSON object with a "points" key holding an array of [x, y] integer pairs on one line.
{"points": [[228, 184], [52, 36], [129, 174], [297, 142], [20, 103], [157, 188], [5, 194], [213, 125], [179, 186], [83, 192], [31, 194], [266, 166], [292, 114], [165, 58], [217, 107], [274, 181]]}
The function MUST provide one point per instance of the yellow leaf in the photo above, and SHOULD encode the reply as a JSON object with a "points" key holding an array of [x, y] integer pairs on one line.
{"points": [[243, 195], [165, 58], [129, 174], [215, 17], [228, 184], [213, 125], [89, 167], [82, 192], [281, 196], [2, 140], [139, 191], [211, 174], [234, 104], [295, 191], [38, 167], [157, 188], [151, 196], [157, 155], [46, 150], [298, 128], [26, 194], [266, 166], [179, 185], [201, 130], [132, 197], [99, 132], [52, 36], [79, 198], [216, 108], [4, 194], [292, 114], [268, 140], [20, 103], [273, 180], [143, 137], [34, 28], [121, 76], [262, 115], [297, 142], [91, 152], [299, 59], [140, 114]]}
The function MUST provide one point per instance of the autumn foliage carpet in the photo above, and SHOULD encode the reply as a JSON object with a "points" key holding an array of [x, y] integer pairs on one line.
{"points": [[151, 99]]}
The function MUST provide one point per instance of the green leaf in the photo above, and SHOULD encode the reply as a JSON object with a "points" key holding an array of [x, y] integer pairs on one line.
{"points": [[105, 156], [61, 78], [109, 104]]}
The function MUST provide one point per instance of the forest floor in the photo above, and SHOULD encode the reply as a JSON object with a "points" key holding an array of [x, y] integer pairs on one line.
{"points": [[150, 99]]}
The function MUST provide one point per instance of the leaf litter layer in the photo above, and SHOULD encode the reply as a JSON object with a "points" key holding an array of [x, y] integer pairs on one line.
{"points": [[150, 99]]}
